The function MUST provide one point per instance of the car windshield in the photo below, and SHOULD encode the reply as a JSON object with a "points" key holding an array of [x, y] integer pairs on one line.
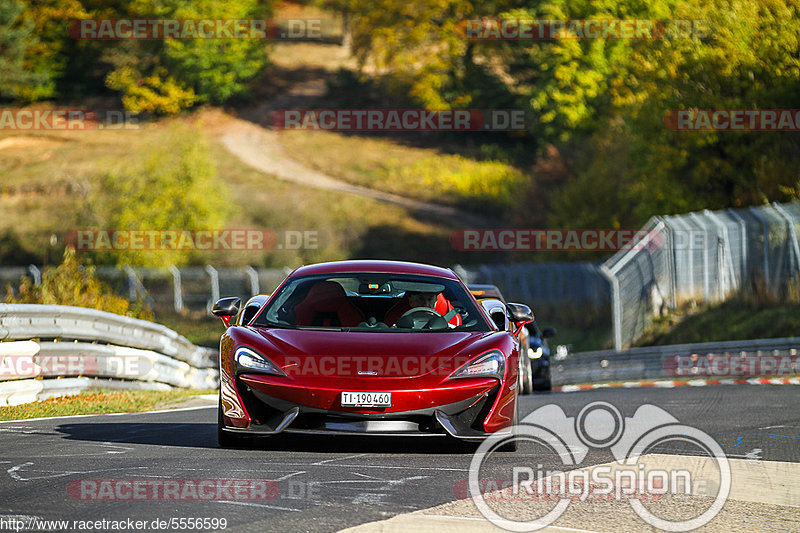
{"points": [[373, 302]]}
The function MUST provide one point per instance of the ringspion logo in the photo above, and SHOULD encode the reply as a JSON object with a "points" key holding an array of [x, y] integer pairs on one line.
{"points": [[630, 478]]}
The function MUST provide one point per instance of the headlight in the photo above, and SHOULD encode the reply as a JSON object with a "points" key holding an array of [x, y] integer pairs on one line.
{"points": [[251, 359], [491, 364], [535, 354]]}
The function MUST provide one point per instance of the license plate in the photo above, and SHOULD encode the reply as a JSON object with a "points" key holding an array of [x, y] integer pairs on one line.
{"points": [[366, 399]]}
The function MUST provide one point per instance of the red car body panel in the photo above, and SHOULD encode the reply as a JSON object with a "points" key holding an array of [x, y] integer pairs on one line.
{"points": [[414, 367]]}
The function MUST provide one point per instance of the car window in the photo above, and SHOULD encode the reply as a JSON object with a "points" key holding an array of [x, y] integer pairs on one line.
{"points": [[373, 302]]}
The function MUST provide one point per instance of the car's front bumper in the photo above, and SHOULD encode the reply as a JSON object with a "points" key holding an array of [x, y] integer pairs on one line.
{"points": [[272, 410]]}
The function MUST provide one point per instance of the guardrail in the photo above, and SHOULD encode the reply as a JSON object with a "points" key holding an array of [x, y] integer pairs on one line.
{"points": [[677, 361], [123, 352]]}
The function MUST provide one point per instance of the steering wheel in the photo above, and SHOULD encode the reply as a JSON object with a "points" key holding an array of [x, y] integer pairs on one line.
{"points": [[421, 318]]}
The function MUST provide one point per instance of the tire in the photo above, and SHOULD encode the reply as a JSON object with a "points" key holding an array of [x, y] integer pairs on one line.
{"points": [[226, 439], [543, 384], [527, 375]]}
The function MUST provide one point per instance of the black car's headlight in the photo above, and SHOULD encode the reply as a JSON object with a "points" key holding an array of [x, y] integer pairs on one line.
{"points": [[490, 364], [253, 360], [535, 353]]}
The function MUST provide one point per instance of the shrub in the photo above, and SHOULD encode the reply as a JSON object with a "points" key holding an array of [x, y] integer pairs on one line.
{"points": [[72, 283]]}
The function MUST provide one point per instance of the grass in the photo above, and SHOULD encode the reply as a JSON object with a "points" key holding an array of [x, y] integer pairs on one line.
{"points": [[48, 178], [735, 319], [50, 175], [421, 173], [98, 402], [198, 328], [580, 339]]}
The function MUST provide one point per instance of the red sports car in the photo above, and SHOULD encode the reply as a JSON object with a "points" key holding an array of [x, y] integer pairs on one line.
{"points": [[368, 348]]}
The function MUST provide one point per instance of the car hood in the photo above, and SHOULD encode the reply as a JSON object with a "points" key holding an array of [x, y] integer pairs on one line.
{"points": [[388, 353]]}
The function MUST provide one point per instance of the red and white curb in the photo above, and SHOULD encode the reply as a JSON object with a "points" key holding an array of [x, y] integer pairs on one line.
{"points": [[670, 384]]}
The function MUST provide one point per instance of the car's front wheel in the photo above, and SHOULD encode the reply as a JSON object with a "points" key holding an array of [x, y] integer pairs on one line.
{"points": [[526, 373]]}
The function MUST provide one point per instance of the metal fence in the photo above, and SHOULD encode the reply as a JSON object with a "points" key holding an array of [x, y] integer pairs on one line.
{"points": [[734, 359], [543, 283], [196, 288], [191, 288], [704, 256]]}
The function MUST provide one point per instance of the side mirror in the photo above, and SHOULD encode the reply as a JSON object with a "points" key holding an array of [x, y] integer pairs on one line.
{"points": [[520, 314], [548, 332], [225, 308], [497, 312]]}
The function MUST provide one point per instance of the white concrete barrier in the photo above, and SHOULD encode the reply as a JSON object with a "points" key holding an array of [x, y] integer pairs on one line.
{"points": [[46, 354]]}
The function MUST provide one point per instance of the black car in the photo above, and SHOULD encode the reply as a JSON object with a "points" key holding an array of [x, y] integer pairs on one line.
{"points": [[539, 356], [526, 377]]}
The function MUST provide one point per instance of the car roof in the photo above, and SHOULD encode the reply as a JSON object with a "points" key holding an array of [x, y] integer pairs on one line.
{"points": [[380, 266]]}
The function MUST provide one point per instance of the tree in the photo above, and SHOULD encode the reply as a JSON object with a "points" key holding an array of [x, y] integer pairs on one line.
{"points": [[72, 283], [17, 41], [164, 76], [175, 187]]}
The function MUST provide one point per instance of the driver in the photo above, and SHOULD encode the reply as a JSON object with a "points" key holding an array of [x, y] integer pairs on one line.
{"points": [[414, 299], [421, 299]]}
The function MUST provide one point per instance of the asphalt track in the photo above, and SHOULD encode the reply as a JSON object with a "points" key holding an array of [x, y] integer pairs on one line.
{"points": [[328, 484]]}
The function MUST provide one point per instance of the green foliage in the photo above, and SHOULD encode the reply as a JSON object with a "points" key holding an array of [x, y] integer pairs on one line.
{"points": [[39, 59], [164, 76], [601, 102], [418, 49], [62, 63], [173, 185], [72, 283], [735, 319], [17, 43], [490, 185], [604, 101], [158, 94]]}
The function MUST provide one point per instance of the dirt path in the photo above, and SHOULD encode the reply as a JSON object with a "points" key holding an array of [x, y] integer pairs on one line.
{"points": [[261, 149]]}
